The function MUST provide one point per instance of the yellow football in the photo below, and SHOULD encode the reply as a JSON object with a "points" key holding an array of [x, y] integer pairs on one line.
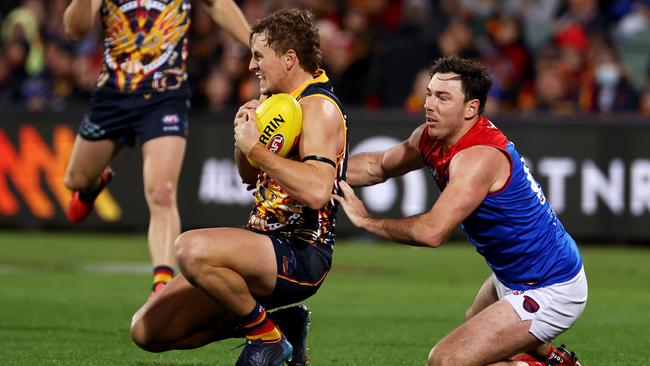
{"points": [[279, 121]]}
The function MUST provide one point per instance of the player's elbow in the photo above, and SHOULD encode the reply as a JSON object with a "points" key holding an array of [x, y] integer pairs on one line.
{"points": [[73, 28], [315, 201], [74, 33], [433, 240]]}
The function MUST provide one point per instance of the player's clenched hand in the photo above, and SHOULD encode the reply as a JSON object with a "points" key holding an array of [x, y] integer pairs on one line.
{"points": [[246, 135], [246, 111], [352, 205]]}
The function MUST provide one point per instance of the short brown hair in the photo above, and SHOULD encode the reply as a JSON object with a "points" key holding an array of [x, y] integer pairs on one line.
{"points": [[292, 29], [475, 78]]}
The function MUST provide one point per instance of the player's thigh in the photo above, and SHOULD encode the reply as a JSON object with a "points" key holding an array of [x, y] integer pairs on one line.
{"points": [[492, 335], [249, 254], [486, 296], [88, 160], [162, 158], [178, 311]]}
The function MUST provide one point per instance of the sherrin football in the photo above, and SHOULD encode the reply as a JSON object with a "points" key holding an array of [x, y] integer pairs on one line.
{"points": [[279, 121]]}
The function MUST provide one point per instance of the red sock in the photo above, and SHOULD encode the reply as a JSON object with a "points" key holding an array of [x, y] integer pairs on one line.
{"points": [[259, 326], [162, 275]]}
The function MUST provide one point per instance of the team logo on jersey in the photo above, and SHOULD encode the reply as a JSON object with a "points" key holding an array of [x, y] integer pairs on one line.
{"points": [[530, 305], [142, 37], [170, 119]]}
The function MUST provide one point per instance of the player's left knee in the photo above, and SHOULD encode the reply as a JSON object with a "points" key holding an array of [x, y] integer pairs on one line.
{"points": [[161, 194]]}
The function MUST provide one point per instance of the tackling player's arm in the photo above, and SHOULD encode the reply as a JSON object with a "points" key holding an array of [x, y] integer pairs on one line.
{"points": [[309, 182], [366, 169], [227, 14], [473, 173], [79, 18]]}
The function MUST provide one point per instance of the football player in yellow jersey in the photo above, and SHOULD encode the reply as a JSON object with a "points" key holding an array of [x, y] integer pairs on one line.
{"points": [[230, 276], [141, 94]]}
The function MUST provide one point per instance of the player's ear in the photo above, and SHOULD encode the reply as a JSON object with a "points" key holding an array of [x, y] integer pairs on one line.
{"points": [[471, 108], [290, 59]]}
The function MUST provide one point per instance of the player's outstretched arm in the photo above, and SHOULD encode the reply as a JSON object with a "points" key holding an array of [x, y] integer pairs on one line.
{"points": [[227, 14], [473, 174], [79, 18], [366, 169]]}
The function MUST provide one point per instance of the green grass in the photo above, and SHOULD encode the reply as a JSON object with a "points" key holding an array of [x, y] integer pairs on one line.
{"points": [[67, 299]]}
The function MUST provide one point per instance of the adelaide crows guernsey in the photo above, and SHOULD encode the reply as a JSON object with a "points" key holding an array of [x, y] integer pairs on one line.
{"points": [[145, 45], [514, 229], [274, 210]]}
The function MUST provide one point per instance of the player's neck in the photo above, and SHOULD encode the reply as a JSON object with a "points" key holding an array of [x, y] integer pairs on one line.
{"points": [[298, 80]]}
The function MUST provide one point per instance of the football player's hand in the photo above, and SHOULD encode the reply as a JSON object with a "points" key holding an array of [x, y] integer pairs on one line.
{"points": [[246, 111], [352, 205], [246, 135]]}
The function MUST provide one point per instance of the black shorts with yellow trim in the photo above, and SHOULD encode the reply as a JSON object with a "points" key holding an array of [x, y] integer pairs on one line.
{"points": [[301, 270]]}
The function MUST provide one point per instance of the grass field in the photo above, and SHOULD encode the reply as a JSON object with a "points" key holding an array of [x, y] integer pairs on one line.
{"points": [[67, 299]]}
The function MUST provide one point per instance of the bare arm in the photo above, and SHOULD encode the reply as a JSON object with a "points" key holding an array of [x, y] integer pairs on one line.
{"points": [[79, 18], [322, 134], [366, 169], [473, 174], [227, 14]]}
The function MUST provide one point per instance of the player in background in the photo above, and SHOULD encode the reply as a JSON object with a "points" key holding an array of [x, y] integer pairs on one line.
{"points": [[231, 276], [538, 288], [141, 93]]}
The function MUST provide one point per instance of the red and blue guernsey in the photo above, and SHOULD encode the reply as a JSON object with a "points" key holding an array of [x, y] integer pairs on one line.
{"points": [[514, 229]]}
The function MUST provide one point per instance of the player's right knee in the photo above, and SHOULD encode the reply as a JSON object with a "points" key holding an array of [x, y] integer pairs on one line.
{"points": [[190, 253]]}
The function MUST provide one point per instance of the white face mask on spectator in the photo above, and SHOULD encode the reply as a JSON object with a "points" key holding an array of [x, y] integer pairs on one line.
{"points": [[607, 75]]}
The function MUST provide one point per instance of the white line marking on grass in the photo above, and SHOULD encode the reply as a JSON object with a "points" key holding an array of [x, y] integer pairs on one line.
{"points": [[115, 267]]}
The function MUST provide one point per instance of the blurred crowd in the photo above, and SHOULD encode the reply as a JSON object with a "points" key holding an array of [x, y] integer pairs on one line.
{"points": [[552, 56]]}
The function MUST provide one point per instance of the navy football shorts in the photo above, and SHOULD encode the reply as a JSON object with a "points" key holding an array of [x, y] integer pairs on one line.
{"points": [[124, 117], [301, 270]]}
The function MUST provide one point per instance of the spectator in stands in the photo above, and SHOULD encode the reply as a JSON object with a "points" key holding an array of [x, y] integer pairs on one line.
{"points": [[371, 39], [611, 89], [586, 15], [23, 24], [415, 101], [644, 103], [218, 89], [551, 89], [16, 52], [510, 62], [632, 35]]}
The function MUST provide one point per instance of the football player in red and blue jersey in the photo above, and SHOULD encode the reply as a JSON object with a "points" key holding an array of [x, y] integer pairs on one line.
{"points": [[141, 95], [537, 288]]}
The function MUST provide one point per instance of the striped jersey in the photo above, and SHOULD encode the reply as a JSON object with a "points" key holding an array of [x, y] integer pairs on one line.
{"points": [[274, 210]]}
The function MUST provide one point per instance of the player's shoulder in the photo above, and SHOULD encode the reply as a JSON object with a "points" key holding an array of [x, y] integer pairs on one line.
{"points": [[480, 158], [321, 107]]}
